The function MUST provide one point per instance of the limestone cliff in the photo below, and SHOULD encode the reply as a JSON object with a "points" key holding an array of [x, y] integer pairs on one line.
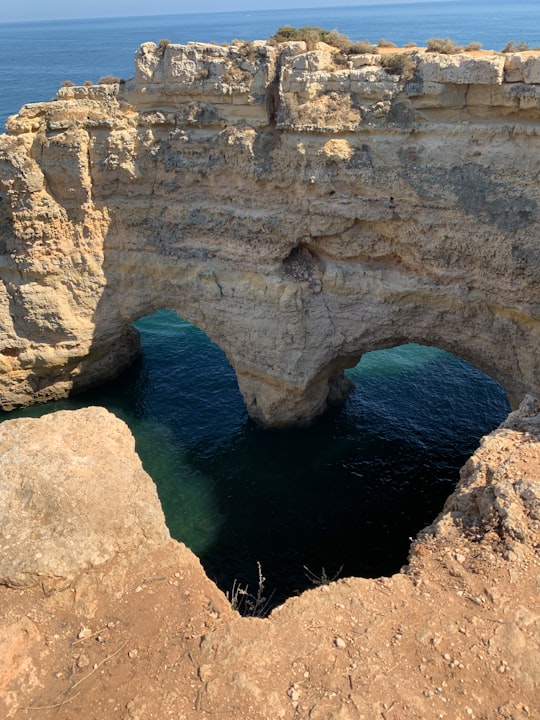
{"points": [[300, 207]]}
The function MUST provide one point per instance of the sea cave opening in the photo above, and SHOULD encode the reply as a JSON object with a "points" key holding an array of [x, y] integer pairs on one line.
{"points": [[341, 498]]}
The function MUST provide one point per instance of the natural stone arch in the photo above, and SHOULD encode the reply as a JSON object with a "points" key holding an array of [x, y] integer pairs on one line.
{"points": [[296, 246]]}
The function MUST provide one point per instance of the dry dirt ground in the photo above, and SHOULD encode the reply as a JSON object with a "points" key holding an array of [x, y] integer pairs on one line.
{"points": [[147, 636]]}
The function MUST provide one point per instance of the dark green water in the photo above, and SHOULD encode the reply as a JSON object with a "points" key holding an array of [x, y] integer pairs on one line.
{"points": [[346, 493]]}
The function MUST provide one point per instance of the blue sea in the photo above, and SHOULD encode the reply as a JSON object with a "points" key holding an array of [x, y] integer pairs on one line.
{"points": [[344, 496]]}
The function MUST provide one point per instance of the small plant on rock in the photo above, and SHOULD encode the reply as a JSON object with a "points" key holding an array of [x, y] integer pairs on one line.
{"points": [[162, 45], [445, 46], [247, 603], [323, 578]]}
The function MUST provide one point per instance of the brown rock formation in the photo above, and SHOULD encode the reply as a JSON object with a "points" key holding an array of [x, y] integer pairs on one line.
{"points": [[146, 635], [299, 207], [73, 494]]}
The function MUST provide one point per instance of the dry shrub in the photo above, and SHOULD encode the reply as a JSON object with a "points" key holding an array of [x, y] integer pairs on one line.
{"points": [[337, 40], [108, 80], [399, 64], [472, 46], [361, 47], [445, 46], [512, 47], [386, 43], [162, 45]]}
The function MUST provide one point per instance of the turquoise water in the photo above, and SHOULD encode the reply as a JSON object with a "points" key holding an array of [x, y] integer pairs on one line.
{"points": [[344, 495]]}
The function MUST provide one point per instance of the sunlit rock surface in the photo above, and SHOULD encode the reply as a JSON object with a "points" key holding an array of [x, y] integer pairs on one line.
{"points": [[301, 208], [73, 494]]}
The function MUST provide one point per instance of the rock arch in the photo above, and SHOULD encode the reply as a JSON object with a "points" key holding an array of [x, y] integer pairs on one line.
{"points": [[296, 245]]}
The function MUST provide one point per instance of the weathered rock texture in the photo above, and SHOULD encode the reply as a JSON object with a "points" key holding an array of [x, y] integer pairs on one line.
{"points": [[299, 207], [73, 494], [145, 635]]}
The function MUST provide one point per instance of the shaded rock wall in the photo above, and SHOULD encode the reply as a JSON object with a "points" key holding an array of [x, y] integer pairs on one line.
{"points": [[300, 207]]}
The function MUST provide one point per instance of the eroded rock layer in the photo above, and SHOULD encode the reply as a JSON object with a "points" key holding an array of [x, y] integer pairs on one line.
{"points": [[301, 208]]}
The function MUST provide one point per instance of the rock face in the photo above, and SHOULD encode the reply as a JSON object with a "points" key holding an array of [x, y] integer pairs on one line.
{"points": [[73, 494], [499, 487], [300, 207]]}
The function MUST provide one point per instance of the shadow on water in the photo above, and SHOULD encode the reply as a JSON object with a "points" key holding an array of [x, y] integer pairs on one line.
{"points": [[343, 496]]}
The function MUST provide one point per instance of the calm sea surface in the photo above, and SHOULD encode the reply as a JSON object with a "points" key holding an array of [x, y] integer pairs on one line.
{"points": [[346, 494]]}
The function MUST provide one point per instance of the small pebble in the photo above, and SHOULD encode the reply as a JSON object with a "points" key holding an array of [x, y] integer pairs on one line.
{"points": [[340, 642], [83, 661]]}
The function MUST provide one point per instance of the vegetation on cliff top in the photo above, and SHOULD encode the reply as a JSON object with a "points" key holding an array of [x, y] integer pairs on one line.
{"points": [[312, 35]]}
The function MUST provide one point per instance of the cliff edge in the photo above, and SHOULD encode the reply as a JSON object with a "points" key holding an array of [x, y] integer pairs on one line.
{"points": [[299, 207], [140, 633]]}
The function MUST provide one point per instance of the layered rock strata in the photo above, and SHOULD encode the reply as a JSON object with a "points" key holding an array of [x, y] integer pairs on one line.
{"points": [[302, 208]]}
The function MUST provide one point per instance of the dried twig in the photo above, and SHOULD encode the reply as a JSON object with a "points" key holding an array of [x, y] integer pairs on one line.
{"points": [[49, 707], [69, 699], [122, 646], [88, 637]]}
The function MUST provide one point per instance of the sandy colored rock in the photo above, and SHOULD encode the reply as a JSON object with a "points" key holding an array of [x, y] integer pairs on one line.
{"points": [[301, 208], [73, 494], [462, 69]]}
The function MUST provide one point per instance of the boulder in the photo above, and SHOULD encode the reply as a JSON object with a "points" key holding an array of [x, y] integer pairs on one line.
{"points": [[73, 493]]}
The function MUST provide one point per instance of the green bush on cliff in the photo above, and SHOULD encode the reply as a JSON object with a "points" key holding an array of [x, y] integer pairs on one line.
{"points": [[312, 35], [307, 34]]}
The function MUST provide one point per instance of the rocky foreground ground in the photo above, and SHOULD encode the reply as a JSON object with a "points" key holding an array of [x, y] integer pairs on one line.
{"points": [[104, 617]]}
